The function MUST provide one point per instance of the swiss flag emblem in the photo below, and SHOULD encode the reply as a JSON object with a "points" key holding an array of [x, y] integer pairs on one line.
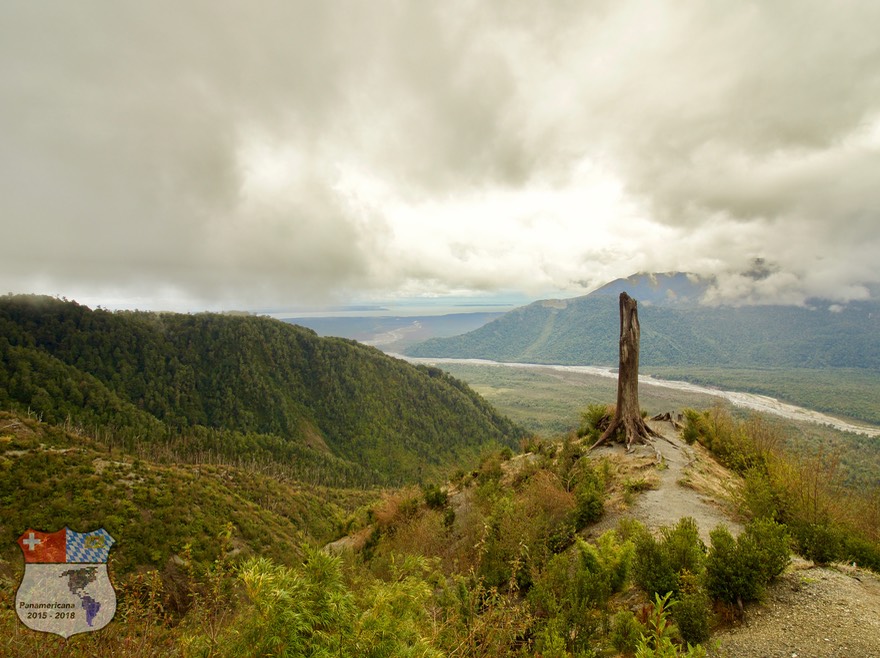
{"points": [[44, 546]]}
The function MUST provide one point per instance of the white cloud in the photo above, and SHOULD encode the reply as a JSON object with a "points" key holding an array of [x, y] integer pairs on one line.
{"points": [[238, 154]]}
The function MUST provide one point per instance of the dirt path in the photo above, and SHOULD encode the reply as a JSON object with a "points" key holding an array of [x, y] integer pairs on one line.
{"points": [[809, 612], [683, 481]]}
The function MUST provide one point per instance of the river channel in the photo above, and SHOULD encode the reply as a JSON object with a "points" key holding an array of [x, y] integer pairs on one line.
{"points": [[762, 403]]}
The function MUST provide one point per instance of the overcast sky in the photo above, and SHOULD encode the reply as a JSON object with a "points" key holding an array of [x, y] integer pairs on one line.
{"points": [[218, 154]]}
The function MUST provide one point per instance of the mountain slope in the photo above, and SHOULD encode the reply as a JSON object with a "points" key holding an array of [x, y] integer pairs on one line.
{"points": [[50, 478], [244, 383], [678, 332]]}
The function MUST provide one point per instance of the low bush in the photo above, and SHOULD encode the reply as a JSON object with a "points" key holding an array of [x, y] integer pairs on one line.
{"points": [[594, 420], [435, 497], [729, 440], [759, 498], [861, 551], [589, 492], [658, 564], [652, 569], [575, 586], [738, 569], [658, 642], [819, 542], [626, 632], [693, 610], [683, 546]]}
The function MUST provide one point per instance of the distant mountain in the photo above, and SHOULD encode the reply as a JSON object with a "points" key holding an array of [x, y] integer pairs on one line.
{"points": [[667, 289], [393, 334], [248, 388], [676, 331]]}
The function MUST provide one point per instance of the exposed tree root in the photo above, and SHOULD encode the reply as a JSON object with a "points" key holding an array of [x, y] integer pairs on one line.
{"points": [[668, 418], [633, 430]]}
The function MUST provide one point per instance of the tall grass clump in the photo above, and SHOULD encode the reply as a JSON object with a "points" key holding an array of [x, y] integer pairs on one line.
{"points": [[827, 520]]}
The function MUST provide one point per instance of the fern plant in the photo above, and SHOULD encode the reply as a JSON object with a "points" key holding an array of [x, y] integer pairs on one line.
{"points": [[658, 643]]}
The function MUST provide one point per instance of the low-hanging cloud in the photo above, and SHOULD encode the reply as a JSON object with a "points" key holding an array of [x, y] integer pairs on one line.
{"points": [[284, 151]]}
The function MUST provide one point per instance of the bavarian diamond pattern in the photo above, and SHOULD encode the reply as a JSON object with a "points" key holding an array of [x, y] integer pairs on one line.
{"points": [[88, 547]]}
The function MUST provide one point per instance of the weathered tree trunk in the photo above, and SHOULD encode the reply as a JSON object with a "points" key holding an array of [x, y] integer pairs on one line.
{"points": [[628, 416]]}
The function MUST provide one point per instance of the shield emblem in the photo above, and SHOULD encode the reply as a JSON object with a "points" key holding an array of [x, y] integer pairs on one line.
{"points": [[65, 588]]}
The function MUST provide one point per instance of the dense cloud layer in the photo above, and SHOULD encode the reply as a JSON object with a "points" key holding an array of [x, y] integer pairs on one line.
{"points": [[266, 153]]}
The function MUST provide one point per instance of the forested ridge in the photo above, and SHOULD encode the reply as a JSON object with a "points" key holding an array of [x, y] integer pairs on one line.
{"points": [[242, 387]]}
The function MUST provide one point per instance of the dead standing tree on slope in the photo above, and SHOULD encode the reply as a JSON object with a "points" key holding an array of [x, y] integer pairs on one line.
{"points": [[628, 415]]}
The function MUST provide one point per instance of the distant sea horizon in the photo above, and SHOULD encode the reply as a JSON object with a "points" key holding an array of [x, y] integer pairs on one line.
{"points": [[401, 308]]}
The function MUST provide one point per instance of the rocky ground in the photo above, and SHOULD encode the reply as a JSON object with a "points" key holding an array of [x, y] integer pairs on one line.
{"points": [[685, 481], [809, 612]]}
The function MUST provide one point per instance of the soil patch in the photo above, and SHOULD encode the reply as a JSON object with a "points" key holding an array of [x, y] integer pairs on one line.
{"points": [[685, 482]]}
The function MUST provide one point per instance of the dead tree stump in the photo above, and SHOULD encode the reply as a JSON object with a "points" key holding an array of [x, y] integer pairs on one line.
{"points": [[628, 425]]}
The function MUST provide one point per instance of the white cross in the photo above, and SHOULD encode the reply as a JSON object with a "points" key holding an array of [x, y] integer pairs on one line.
{"points": [[32, 541]]}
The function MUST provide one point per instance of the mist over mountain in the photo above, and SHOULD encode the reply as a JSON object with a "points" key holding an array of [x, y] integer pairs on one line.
{"points": [[677, 330], [666, 289]]}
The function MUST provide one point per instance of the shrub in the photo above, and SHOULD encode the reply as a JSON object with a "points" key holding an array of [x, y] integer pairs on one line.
{"points": [[695, 427], [626, 632], [738, 570], [291, 608], [861, 551], [395, 508], [535, 445], [590, 505], [768, 545], [589, 491], [573, 588], [550, 641], [683, 546], [637, 485], [692, 611], [435, 497], [652, 569], [759, 499], [568, 460], [490, 469], [729, 440], [725, 579], [616, 559], [818, 542], [658, 564], [594, 420], [658, 641]]}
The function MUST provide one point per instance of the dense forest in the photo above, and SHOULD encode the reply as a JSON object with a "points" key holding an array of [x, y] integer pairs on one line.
{"points": [[240, 388], [584, 331]]}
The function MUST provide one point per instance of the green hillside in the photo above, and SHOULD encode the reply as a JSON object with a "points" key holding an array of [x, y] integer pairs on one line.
{"points": [[584, 331], [238, 388], [50, 478]]}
